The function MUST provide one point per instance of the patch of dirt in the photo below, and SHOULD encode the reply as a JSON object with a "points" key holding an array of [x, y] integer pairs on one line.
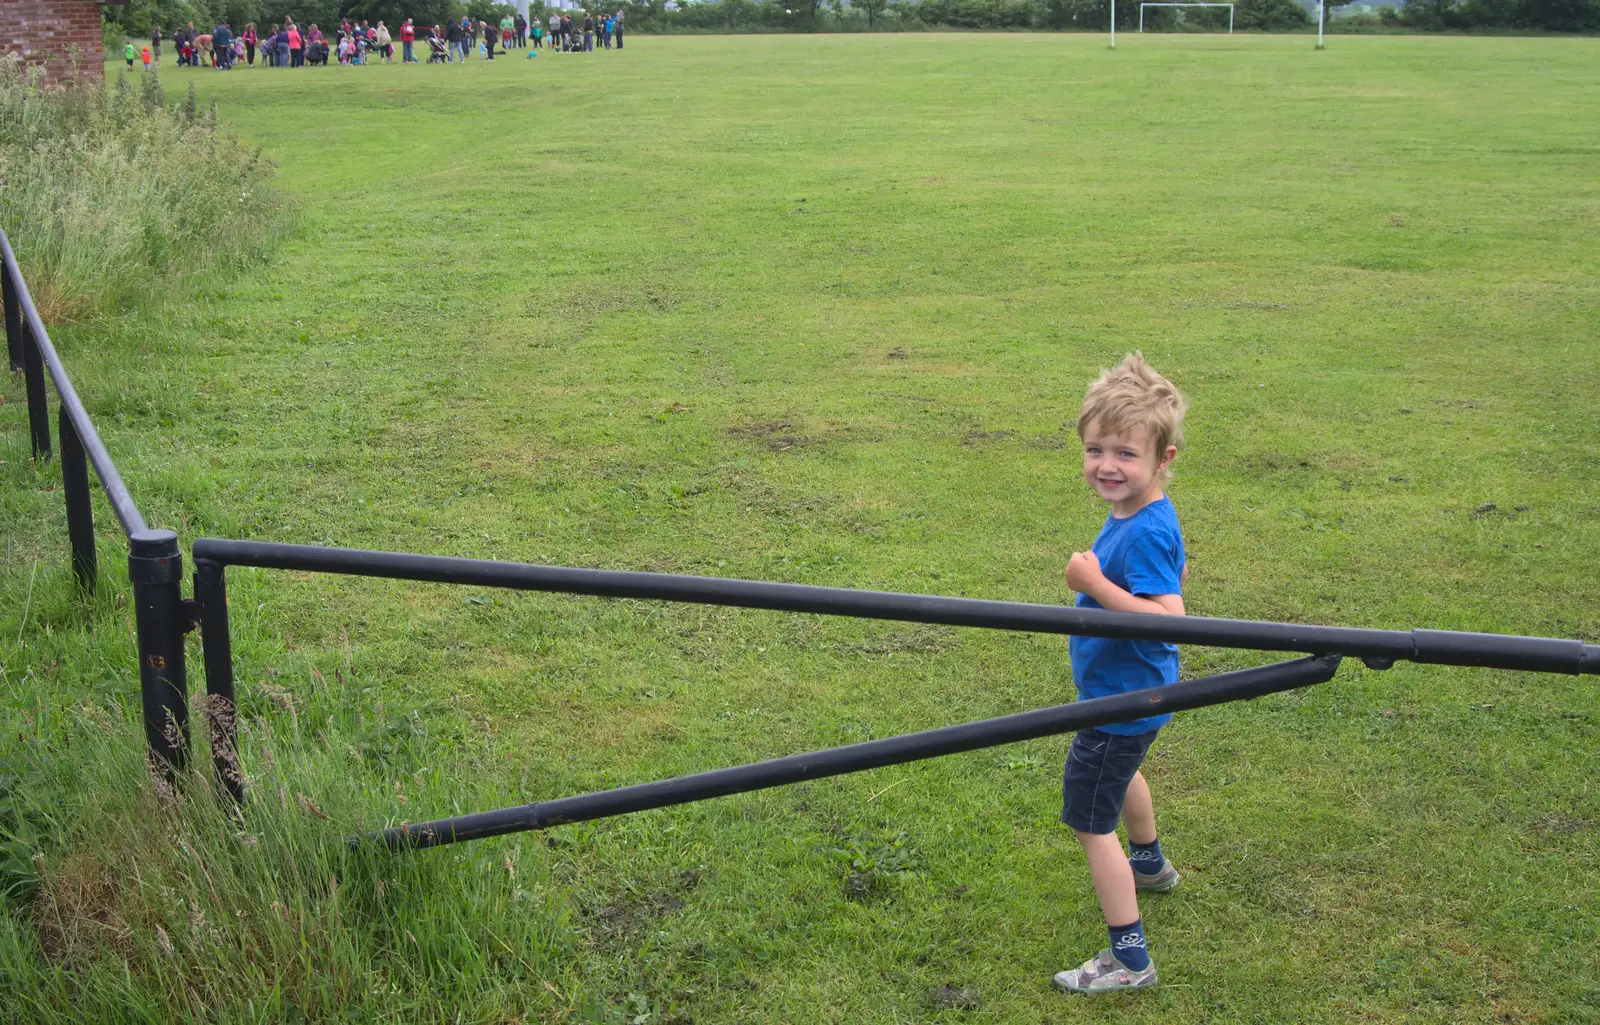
{"points": [[76, 911], [762, 429], [897, 353], [914, 640], [974, 437], [931, 179], [1272, 462], [775, 434], [860, 886], [1234, 304], [626, 915], [1555, 823], [587, 304], [955, 998], [630, 913]]}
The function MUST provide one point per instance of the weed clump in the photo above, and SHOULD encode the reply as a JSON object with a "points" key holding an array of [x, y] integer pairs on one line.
{"points": [[109, 193]]}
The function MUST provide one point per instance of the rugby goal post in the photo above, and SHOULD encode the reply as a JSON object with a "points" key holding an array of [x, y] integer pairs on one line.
{"points": [[1193, 3]]}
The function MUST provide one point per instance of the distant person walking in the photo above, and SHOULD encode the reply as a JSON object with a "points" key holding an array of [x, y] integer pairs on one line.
{"points": [[408, 36], [384, 42], [155, 43], [588, 33], [283, 48], [454, 35], [297, 46], [249, 38], [222, 43], [555, 31], [616, 28]]}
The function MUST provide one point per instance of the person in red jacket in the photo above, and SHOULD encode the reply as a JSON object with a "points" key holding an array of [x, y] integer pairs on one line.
{"points": [[408, 35]]}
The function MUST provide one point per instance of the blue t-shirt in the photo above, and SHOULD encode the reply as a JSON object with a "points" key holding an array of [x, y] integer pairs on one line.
{"points": [[1143, 554]]}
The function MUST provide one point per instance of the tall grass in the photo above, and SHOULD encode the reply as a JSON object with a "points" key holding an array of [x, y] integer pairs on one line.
{"points": [[124, 902], [107, 193]]}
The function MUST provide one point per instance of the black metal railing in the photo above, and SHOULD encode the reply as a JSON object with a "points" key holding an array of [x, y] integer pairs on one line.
{"points": [[155, 568], [1325, 645], [155, 563]]}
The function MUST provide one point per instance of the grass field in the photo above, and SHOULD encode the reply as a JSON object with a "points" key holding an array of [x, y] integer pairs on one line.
{"points": [[821, 309]]}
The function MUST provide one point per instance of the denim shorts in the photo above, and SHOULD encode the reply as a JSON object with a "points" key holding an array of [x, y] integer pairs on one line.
{"points": [[1099, 768]]}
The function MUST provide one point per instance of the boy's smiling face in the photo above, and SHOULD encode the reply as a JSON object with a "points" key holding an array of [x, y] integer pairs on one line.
{"points": [[1124, 469]]}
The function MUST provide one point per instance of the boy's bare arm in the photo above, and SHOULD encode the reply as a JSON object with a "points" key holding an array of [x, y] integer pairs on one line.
{"points": [[1084, 576]]}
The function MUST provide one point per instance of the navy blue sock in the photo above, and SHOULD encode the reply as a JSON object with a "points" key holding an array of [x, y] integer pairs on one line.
{"points": [[1127, 945], [1146, 858]]}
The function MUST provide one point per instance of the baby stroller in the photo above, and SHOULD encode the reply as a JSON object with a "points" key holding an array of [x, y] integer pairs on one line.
{"points": [[317, 54], [438, 53]]}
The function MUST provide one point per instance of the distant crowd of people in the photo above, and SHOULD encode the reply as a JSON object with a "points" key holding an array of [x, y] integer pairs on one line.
{"points": [[287, 46], [455, 41]]}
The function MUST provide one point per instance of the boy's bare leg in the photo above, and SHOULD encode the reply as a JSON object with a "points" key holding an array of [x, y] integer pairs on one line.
{"points": [[1112, 875], [1139, 811]]}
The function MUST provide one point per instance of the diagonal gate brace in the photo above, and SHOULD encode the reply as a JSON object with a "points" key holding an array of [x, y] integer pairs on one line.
{"points": [[872, 754]]}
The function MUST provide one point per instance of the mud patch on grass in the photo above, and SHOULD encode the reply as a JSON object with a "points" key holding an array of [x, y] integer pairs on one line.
{"points": [[1559, 824], [591, 303], [979, 437], [77, 913], [917, 640], [628, 915], [775, 435], [954, 998], [1274, 462]]}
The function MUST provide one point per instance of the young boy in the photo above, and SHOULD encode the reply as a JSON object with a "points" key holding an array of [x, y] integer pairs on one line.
{"points": [[129, 53], [1131, 424]]}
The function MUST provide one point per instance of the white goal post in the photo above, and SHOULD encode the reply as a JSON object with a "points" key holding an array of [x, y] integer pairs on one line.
{"points": [[1195, 3]]}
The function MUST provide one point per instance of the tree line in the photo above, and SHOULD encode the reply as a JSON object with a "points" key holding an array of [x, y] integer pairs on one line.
{"points": [[137, 17]]}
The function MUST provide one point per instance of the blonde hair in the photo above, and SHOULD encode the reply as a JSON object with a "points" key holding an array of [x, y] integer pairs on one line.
{"points": [[1134, 395]]}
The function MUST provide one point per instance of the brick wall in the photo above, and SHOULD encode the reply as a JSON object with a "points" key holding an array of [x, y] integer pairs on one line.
{"points": [[42, 31]]}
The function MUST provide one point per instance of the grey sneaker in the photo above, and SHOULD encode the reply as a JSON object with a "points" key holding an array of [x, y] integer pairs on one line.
{"points": [[1160, 882], [1104, 974]]}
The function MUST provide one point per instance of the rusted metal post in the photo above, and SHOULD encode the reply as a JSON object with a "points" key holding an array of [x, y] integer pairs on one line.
{"points": [[80, 510], [13, 318], [222, 719], [38, 407], [155, 566]]}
